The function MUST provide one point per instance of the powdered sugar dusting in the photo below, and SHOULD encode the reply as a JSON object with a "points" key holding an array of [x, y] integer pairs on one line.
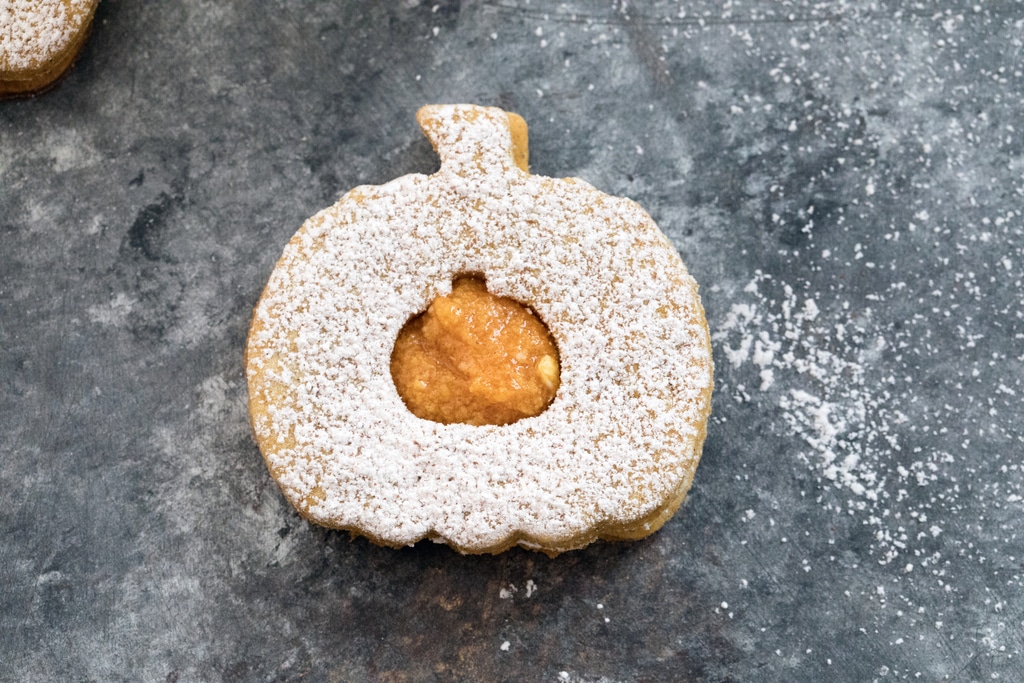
{"points": [[858, 416], [622, 437], [32, 32]]}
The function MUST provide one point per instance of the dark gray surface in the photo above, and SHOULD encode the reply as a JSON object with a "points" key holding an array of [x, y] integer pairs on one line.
{"points": [[863, 157]]}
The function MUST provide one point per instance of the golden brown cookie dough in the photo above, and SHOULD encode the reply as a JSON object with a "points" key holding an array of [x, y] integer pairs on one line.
{"points": [[613, 454], [39, 40]]}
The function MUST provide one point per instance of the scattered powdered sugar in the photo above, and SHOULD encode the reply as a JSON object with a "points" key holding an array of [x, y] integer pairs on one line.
{"points": [[509, 591], [32, 32], [837, 409], [621, 439], [850, 397]]}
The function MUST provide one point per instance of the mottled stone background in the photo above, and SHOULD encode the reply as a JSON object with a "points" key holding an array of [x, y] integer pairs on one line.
{"points": [[844, 179]]}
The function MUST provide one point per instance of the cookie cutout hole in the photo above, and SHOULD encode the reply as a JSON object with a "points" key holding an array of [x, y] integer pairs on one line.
{"points": [[475, 358]]}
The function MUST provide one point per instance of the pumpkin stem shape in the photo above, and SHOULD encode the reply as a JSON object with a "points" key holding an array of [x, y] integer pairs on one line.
{"points": [[481, 139]]}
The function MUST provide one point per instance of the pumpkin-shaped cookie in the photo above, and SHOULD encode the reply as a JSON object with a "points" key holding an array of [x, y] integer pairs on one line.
{"points": [[39, 39], [611, 456]]}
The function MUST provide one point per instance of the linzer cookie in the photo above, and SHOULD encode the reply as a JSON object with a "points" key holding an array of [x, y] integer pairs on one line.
{"points": [[39, 39], [481, 357]]}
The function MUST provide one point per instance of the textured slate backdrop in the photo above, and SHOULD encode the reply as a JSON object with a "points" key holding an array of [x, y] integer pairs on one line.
{"points": [[857, 515]]}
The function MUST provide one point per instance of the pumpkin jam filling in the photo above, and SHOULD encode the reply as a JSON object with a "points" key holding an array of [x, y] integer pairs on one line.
{"points": [[475, 358]]}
